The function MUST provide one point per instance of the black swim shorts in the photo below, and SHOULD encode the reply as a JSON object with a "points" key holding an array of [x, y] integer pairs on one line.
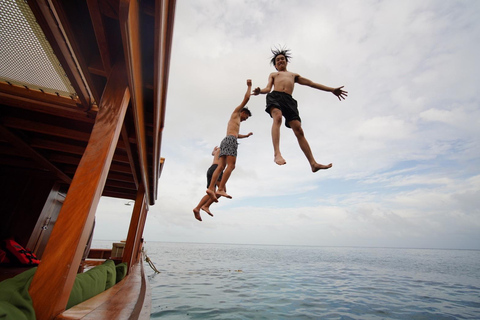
{"points": [[285, 103], [210, 172], [228, 146]]}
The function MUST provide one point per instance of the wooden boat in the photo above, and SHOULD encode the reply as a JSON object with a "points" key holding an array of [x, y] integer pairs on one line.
{"points": [[61, 150]]}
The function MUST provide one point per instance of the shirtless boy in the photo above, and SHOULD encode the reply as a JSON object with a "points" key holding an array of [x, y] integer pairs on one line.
{"points": [[228, 148], [280, 103], [206, 201]]}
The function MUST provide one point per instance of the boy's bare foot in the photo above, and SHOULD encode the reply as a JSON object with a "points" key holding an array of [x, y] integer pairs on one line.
{"points": [[223, 194], [279, 160], [318, 166], [207, 210], [212, 195], [196, 212]]}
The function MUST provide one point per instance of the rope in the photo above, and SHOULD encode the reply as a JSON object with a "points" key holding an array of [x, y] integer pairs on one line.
{"points": [[150, 263]]}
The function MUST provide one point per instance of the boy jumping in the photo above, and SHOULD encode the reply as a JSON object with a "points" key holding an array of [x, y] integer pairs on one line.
{"points": [[206, 201], [280, 103], [228, 150]]}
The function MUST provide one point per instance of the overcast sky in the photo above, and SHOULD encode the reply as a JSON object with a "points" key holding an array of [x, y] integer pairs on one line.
{"points": [[404, 144]]}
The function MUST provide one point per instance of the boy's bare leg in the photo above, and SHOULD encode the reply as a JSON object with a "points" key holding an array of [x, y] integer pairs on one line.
{"points": [[221, 193], [197, 214], [215, 175], [207, 209], [231, 160], [206, 206], [277, 123], [203, 202], [196, 210], [302, 141], [212, 195]]}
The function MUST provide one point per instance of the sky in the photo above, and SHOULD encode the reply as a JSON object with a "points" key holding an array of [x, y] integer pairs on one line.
{"points": [[405, 144]]}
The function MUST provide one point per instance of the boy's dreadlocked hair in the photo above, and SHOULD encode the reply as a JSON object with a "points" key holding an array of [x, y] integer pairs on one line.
{"points": [[280, 51]]}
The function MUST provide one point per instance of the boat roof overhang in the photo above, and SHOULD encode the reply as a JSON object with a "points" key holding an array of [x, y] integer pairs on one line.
{"points": [[45, 127]]}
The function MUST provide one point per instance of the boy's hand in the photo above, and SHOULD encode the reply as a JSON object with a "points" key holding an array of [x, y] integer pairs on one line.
{"points": [[256, 91], [249, 82], [341, 94]]}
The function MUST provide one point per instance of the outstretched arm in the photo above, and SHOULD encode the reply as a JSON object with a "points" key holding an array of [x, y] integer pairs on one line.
{"points": [[341, 94], [241, 136], [245, 98], [267, 89]]}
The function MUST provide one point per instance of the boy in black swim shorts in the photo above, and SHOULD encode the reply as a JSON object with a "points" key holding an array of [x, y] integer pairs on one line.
{"points": [[205, 203], [210, 172], [285, 103], [280, 103]]}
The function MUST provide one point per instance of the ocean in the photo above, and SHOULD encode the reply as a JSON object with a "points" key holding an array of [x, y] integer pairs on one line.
{"points": [[227, 281]]}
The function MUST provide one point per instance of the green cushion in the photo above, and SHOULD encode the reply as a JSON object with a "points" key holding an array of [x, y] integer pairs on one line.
{"points": [[87, 285], [15, 301], [109, 265], [10, 312], [121, 269], [16, 304]]}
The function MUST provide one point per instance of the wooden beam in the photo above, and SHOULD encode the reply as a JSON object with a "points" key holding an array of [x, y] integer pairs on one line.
{"points": [[130, 27], [42, 102], [57, 146], [135, 231], [129, 155], [52, 100], [109, 8], [164, 13], [24, 148], [96, 67], [48, 129], [65, 159], [120, 177], [82, 52], [100, 34], [72, 159], [121, 184], [121, 168], [139, 242], [56, 274], [117, 194], [162, 163]]}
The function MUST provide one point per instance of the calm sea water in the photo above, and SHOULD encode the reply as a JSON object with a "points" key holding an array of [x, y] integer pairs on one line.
{"points": [[223, 281]]}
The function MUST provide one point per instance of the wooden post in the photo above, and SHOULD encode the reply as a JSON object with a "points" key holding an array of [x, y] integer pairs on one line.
{"points": [[138, 249], [164, 18], [135, 230], [53, 281], [129, 18]]}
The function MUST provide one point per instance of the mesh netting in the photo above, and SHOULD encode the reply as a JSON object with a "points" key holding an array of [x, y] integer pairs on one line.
{"points": [[26, 57]]}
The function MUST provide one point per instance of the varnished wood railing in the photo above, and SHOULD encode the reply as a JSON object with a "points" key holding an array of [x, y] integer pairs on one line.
{"points": [[128, 299]]}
